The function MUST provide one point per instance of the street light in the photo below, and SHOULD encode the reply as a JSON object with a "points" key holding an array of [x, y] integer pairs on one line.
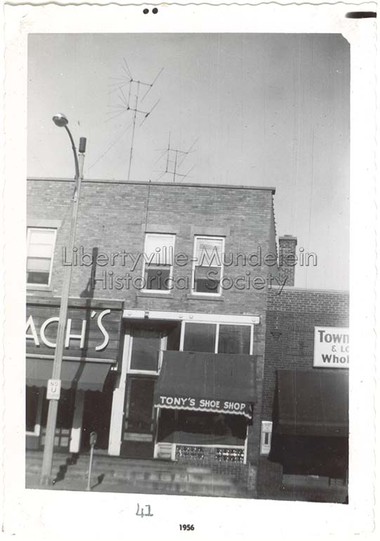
{"points": [[54, 384]]}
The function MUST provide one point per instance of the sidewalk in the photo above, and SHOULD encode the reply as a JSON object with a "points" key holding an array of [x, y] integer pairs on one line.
{"points": [[33, 482]]}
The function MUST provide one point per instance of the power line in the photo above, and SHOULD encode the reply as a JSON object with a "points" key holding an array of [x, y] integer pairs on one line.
{"points": [[116, 140]]}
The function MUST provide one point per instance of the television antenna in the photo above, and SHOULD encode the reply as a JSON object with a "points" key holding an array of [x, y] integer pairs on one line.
{"points": [[174, 159], [130, 102]]}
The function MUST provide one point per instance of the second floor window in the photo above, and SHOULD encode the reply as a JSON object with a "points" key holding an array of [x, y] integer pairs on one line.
{"points": [[158, 261], [208, 265], [40, 251]]}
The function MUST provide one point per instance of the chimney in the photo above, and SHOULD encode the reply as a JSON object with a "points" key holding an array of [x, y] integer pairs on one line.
{"points": [[287, 258]]}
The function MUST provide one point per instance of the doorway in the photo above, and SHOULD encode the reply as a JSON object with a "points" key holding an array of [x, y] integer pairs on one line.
{"points": [[139, 425]]}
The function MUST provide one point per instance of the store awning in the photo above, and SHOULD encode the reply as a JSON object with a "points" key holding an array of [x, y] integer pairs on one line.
{"points": [[313, 402], [85, 376], [206, 382]]}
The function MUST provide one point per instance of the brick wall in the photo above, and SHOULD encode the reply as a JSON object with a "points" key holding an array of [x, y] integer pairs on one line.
{"points": [[287, 259], [114, 216], [291, 317]]}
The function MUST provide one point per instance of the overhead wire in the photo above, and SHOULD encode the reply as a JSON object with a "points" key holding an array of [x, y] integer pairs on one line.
{"points": [[120, 134]]}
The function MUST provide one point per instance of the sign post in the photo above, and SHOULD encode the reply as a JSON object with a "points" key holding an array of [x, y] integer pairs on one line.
{"points": [[93, 438]]}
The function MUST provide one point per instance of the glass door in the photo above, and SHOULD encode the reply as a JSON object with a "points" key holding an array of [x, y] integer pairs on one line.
{"points": [[138, 427], [143, 366]]}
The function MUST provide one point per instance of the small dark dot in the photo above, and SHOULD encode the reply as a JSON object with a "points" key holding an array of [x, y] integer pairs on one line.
{"points": [[145, 11], [155, 10]]}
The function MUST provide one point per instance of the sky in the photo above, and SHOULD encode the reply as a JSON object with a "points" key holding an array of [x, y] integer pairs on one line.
{"points": [[254, 109]]}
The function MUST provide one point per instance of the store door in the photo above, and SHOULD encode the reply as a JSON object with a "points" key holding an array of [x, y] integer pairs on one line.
{"points": [[139, 422]]}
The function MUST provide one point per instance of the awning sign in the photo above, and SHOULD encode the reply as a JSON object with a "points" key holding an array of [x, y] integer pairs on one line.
{"points": [[203, 404], [331, 347], [214, 382]]}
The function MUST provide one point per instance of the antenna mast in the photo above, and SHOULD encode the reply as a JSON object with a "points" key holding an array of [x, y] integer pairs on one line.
{"points": [[135, 87]]}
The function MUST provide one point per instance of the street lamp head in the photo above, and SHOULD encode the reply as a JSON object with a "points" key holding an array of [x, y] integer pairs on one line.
{"points": [[60, 120]]}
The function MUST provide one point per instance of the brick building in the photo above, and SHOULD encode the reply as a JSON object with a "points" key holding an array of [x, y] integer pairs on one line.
{"points": [[165, 341], [185, 338], [304, 446]]}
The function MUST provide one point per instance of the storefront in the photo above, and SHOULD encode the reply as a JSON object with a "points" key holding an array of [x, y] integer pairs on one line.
{"points": [[204, 406], [186, 387], [310, 437], [174, 386], [89, 368], [306, 441]]}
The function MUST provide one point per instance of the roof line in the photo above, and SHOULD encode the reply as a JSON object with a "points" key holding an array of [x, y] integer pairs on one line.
{"points": [[310, 290], [149, 183]]}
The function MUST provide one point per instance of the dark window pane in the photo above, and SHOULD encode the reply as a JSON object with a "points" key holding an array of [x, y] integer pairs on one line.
{"points": [[66, 408], [200, 337], [37, 278], [311, 455], [145, 350], [201, 428], [157, 277], [234, 339], [207, 279], [174, 336], [32, 395], [140, 405]]}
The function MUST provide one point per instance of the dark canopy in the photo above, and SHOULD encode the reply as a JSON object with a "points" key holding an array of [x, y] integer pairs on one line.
{"points": [[313, 402], [206, 382]]}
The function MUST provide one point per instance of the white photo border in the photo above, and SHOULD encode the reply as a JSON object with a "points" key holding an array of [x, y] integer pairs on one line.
{"points": [[59, 515]]}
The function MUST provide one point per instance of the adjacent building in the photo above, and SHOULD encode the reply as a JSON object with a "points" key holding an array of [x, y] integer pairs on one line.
{"points": [[304, 442]]}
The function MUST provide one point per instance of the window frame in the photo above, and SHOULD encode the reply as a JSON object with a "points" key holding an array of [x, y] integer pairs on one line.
{"points": [[29, 229], [218, 323], [203, 293], [171, 265], [134, 371]]}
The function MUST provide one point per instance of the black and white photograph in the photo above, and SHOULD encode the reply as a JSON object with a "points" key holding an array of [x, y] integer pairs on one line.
{"points": [[187, 265], [191, 350]]}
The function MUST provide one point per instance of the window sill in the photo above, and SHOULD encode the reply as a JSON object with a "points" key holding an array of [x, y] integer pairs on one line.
{"points": [[40, 289], [136, 371], [198, 297], [156, 293]]}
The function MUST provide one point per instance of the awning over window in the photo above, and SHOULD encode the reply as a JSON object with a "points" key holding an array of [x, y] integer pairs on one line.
{"points": [[86, 376], [206, 382], [313, 402]]}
